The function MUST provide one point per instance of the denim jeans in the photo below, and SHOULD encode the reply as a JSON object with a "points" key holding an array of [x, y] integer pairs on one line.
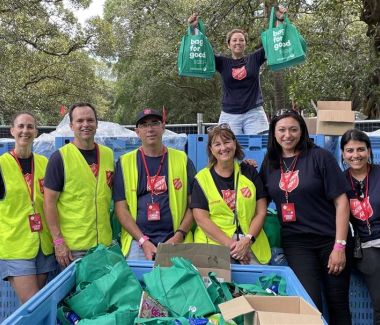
{"points": [[252, 122]]}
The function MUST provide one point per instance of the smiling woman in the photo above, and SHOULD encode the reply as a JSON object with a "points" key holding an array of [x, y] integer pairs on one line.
{"points": [[228, 202]]}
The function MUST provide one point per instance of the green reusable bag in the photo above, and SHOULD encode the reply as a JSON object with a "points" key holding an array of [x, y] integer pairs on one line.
{"points": [[163, 321], [196, 56], [283, 45], [97, 262], [272, 228], [118, 289], [180, 289]]}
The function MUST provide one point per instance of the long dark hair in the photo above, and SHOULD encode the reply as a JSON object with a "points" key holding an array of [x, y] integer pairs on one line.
{"points": [[355, 135], [274, 154]]}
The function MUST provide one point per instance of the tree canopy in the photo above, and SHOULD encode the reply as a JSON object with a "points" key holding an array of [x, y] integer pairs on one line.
{"points": [[127, 60]]}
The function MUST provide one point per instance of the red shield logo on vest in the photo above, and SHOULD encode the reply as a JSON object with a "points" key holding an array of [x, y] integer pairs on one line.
{"points": [[246, 192], [159, 186], [361, 210], [289, 181], [28, 179], [109, 178], [41, 184], [177, 183], [229, 197], [239, 73]]}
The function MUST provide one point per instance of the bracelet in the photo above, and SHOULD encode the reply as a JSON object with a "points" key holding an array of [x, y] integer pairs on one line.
{"points": [[142, 240], [58, 241], [183, 232], [339, 247]]}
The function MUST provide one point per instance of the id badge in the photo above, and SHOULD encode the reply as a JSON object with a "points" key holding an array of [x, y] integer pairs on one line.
{"points": [[288, 212], [35, 222], [153, 211]]}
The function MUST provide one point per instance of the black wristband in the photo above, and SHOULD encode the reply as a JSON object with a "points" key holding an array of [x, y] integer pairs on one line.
{"points": [[184, 233]]}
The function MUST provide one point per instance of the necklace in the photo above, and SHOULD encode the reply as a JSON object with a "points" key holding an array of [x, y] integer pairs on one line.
{"points": [[288, 169]]}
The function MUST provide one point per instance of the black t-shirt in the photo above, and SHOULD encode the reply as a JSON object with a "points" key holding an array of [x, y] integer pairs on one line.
{"points": [[55, 172], [157, 231], [199, 200], [320, 181], [356, 195], [241, 82], [26, 166]]}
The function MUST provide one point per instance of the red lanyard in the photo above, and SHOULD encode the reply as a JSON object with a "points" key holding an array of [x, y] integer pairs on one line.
{"points": [[286, 179], [366, 192], [152, 182], [31, 186], [96, 169]]}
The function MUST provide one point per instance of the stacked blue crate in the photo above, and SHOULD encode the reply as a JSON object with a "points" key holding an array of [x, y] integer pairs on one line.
{"points": [[6, 146]]}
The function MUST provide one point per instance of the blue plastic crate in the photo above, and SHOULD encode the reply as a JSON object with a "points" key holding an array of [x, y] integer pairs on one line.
{"points": [[61, 141], [42, 308], [360, 301], [6, 146], [8, 300], [375, 144]]}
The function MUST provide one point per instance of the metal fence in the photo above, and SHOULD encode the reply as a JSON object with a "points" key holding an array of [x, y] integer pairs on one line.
{"points": [[192, 128]]}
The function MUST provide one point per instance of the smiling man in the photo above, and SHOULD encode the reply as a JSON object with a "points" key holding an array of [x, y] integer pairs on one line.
{"points": [[78, 190], [151, 191]]}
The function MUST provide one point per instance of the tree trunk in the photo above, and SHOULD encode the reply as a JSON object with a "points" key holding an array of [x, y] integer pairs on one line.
{"points": [[371, 16]]}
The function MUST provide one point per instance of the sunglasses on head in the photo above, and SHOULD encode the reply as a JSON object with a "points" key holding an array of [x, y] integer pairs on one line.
{"points": [[222, 126], [286, 111]]}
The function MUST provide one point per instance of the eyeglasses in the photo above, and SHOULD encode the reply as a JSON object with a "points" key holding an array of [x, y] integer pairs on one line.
{"points": [[222, 126], [152, 124]]}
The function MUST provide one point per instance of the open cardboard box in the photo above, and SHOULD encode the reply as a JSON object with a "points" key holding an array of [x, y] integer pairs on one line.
{"points": [[207, 258], [269, 310], [334, 117]]}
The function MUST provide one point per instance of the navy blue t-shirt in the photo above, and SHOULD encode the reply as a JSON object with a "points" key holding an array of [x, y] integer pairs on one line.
{"points": [[157, 231], [26, 166], [320, 181], [241, 82], [55, 172], [359, 192], [199, 200]]}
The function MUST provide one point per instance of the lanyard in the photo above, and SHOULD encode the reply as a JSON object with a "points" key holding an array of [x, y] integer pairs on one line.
{"points": [[236, 221], [96, 169], [31, 186], [290, 172], [361, 202], [152, 182]]}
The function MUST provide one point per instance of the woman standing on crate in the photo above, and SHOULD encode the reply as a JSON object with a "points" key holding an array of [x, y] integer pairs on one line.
{"points": [[26, 250], [364, 178], [228, 201], [309, 191], [242, 101]]}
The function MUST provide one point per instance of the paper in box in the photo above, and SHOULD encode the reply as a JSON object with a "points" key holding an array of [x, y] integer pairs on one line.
{"points": [[334, 117], [269, 310], [206, 257]]}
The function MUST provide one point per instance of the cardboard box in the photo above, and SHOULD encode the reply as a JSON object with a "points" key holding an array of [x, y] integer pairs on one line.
{"points": [[311, 124], [269, 310], [207, 258], [334, 117]]}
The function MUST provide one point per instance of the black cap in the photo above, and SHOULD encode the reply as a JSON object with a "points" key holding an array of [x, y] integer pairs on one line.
{"points": [[147, 112]]}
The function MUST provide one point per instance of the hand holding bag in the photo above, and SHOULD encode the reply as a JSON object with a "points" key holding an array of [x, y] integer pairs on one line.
{"points": [[283, 45], [196, 56]]}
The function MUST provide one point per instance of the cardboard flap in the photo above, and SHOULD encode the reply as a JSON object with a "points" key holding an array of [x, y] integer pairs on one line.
{"points": [[336, 116], [205, 257], [334, 105], [270, 318], [235, 307]]}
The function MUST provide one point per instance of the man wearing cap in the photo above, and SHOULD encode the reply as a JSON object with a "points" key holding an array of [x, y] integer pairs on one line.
{"points": [[152, 186], [77, 189]]}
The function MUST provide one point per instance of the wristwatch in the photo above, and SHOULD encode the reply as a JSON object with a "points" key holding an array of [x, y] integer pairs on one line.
{"points": [[251, 237], [341, 241]]}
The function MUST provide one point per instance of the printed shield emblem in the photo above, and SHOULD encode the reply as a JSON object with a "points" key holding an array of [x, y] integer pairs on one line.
{"points": [[229, 197], [289, 181], [246, 192], [239, 73], [361, 210], [109, 178], [177, 183], [41, 184]]}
